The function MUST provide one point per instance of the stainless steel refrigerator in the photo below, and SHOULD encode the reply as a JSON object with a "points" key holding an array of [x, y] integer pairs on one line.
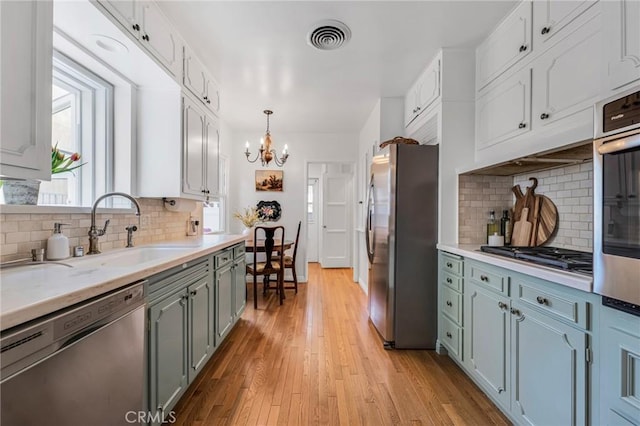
{"points": [[401, 235]]}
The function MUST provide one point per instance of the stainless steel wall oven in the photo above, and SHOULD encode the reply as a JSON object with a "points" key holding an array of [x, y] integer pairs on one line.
{"points": [[616, 193]]}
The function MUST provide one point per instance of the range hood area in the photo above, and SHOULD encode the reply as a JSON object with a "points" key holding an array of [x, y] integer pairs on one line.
{"points": [[578, 153]]}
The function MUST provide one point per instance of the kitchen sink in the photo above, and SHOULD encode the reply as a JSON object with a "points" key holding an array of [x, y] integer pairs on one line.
{"points": [[130, 256]]}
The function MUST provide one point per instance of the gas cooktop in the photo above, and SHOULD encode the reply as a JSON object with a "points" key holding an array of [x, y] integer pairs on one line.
{"points": [[570, 260]]}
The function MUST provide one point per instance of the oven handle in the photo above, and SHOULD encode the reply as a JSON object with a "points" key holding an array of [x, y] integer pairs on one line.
{"points": [[632, 141]]}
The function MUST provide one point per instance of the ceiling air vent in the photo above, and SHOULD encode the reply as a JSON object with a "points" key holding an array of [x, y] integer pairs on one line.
{"points": [[329, 35]]}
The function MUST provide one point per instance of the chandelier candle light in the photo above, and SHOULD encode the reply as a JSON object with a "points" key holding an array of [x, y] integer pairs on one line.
{"points": [[266, 153]]}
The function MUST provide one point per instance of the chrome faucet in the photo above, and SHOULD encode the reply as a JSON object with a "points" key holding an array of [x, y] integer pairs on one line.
{"points": [[94, 233]]}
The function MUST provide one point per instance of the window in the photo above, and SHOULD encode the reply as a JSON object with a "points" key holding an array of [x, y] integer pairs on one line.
{"points": [[82, 121], [310, 200], [213, 213]]}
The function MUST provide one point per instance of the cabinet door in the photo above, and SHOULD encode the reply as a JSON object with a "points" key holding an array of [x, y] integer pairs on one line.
{"points": [[127, 12], [240, 287], [224, 301], [410, 105], [549, 370], [567, 78], [622, 42], [200, 324], [504, 111], [194, 75], [212, 148], [26, 51], [429, 87], [194, 123], [550, 17], [212, 99], [168, 367], [159, 37], [486, 347], [508, 44]]}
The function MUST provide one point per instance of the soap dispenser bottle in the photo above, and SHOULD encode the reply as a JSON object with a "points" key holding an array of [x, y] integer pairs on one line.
{"points": [[57, 244]]}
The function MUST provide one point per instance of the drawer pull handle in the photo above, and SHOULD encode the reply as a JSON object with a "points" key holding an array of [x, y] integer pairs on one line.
{"points": [[542, 300], [449, 265], [449, 280], [484, 278], [449, 335], [502, 305], [449, 303]]}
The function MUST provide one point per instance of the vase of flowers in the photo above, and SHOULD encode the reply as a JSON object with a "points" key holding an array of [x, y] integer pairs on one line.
{"points": [[26, 191], [249, 218]]}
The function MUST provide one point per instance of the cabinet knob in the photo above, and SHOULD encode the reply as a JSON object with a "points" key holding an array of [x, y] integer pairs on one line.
{"points": [[208, 101], [484, 278], [522, 125], [502, 305], [418, 108], [449, 335], [449, 303], [136, 27], [449, 280], [194, 292], [205, 98], [542, 300], [545, 30], [449, 265], [515, 312], [145, 37], [414, 110], [544, 116], [523, 48]]}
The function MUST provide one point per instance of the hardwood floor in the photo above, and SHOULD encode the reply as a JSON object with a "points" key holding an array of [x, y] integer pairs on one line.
{"points": [[317, 360]]}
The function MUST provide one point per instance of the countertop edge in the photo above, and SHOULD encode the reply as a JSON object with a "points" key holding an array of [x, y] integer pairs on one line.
{"points": [[26, 313], [567, 279]]}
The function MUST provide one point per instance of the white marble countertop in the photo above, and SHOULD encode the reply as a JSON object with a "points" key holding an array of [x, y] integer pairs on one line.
{"points": [[569, 279], [29, 292]]}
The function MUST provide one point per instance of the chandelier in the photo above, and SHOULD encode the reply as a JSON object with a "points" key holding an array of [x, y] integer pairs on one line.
{"points": [[266, 153]]}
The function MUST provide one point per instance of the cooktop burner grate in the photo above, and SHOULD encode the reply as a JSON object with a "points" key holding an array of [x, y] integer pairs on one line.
{"points": [[572, 260]]}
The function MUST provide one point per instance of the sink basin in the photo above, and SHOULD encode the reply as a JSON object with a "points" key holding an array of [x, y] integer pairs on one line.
{"points": [[130, 257]]}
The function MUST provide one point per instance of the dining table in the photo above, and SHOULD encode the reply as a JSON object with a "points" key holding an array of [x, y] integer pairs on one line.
{"points": [[248, 244]]}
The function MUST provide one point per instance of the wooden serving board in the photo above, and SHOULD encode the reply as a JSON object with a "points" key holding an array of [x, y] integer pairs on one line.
{"points": [[539, 211], [521, 230]]}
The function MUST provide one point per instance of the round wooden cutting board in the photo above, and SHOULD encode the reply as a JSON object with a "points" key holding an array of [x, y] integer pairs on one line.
{"points": [[547, 220]]}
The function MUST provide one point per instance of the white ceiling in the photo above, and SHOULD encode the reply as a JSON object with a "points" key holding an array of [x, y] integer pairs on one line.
{"points": [[259, 55]]}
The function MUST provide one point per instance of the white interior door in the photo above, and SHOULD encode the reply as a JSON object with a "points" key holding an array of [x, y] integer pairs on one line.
{"points": [[335, 247]]}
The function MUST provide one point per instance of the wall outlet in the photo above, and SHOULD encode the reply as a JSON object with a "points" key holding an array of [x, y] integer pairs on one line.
{"points": [[145, 220]]}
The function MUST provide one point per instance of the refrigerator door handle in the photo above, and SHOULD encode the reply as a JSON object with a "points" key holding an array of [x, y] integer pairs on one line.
{"points": [[369, 233]]}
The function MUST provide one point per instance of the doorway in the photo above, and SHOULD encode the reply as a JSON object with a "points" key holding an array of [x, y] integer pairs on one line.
{"points": [[330, 214]]}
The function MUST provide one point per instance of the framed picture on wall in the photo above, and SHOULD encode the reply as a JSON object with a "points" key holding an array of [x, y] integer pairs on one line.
{"points": [[269, 180]]}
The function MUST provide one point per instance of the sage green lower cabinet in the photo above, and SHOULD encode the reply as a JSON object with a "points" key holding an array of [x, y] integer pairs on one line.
{"points": [[224, 307], [548, 374], [240, 286], [487, 332], [528, 343], [168, 337], [201, 336]]}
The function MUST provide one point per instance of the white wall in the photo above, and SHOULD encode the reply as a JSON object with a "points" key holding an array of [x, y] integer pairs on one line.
{"points": [[303, 148]]}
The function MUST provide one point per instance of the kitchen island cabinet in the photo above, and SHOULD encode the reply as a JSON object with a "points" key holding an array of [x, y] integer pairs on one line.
{"points": [[529, 343]]}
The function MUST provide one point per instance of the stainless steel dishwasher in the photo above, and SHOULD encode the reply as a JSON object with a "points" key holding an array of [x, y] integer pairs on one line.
{"points": [[79, 366]]}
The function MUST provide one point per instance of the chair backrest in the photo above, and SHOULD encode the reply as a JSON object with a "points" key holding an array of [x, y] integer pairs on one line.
{"points": [[272, 240], [295, 245]]}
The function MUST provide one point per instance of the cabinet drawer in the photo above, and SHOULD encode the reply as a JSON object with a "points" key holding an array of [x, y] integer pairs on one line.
{"points": [[489, 278], [452, 281], [563, 306], [451, 337], [451, 264], [180, 276], [223, 258], [452, 304], [239, 250]]}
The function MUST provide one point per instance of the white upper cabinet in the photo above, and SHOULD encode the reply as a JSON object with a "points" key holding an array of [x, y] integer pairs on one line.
{"points": [[550, 17], [423, 92], [127, 12], [212, 156], [197, 79], [160, 38], [508, 44], [26, 51], [504, 111], [146, 22], [567, 79], [622, 43]]}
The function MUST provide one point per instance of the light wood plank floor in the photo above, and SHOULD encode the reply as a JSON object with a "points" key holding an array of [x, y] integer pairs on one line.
{"points": [[317, 360]]}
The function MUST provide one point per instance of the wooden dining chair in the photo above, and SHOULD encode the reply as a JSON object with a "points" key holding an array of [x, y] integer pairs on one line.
{"points": [[273, 242], [290, 263]]}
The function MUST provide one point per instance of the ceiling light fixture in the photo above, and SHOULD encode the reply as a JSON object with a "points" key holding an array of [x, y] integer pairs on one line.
{"points": [[266, 153]]}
